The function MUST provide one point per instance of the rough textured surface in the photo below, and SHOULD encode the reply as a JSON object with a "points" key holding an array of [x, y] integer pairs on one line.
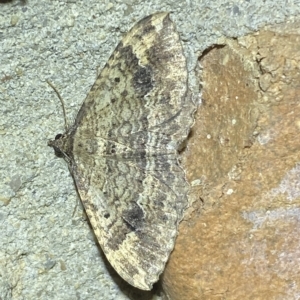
{"points": [[123, 150], [46, 250], [240, 239]]}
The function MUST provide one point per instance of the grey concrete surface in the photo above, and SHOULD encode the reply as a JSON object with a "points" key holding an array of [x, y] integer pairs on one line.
{"points": [[46, 250]]}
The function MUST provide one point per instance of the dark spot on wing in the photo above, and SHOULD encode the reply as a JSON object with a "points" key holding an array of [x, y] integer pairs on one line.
{"points": [[134, 217], [142, 80]]}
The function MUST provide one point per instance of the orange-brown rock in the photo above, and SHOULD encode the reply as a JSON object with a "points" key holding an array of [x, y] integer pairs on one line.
{"points": [[240, 238]]}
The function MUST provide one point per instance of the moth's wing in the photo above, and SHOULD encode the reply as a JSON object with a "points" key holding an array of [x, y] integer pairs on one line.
{"points": [[125, 150]]}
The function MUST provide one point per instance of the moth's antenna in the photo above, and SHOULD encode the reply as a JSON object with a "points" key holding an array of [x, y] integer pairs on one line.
{"points": [[62, 103]]}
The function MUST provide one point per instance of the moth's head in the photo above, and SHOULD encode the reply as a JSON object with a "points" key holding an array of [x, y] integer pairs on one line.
{"points": [[60, 145]]}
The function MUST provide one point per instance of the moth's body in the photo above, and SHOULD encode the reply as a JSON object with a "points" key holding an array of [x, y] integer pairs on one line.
{"points": [[122, 150]]}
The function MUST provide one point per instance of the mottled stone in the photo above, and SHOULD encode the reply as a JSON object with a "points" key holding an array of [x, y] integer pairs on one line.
{"points": [[240, 238]]}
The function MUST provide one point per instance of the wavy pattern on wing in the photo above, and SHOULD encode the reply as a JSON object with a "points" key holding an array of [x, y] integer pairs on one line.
{"points": [[123, 150]]}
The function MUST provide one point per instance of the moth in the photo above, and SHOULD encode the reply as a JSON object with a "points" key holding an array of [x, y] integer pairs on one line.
{"points": [[122, 150]]}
